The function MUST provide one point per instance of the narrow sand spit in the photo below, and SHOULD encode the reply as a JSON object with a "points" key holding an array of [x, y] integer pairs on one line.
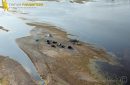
{"points": [[12, 73], [60, 64]]}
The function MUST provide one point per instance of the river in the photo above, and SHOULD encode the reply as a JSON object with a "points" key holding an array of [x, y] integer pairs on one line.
{"points": [[104, 23], [8, 47]]}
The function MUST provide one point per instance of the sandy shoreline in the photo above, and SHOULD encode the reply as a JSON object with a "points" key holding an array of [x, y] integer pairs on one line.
{"points": [[12, 73], [61, 66]]}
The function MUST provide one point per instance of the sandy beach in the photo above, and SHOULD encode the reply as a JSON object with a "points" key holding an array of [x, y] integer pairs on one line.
{"points": [[65, 42], [59, 65], [12, 73]]}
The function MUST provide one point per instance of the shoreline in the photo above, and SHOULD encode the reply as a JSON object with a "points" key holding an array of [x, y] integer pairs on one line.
{"points": [[54, 68], [12, 73]]}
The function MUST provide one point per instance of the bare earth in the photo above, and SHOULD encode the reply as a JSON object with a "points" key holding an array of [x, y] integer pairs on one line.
{"points": [[62, 66], [12, 73]]}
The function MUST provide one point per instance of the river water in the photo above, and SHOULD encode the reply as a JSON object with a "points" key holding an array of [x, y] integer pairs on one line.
{"points": [[104, 23], [8, 47]]}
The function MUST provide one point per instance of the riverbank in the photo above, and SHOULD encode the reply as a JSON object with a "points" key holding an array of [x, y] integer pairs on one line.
{"points": [[12, 73], [60, 60]]}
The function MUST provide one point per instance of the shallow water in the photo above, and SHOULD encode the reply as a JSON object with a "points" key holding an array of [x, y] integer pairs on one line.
{"points": [[8, 47], [105, 23]]}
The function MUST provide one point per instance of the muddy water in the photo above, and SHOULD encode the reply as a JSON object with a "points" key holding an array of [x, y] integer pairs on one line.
{"points": [[8, 46], [105, 23]]}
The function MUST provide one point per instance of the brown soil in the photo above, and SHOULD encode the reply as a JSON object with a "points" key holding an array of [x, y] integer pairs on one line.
{"points": [[12, 73], [62, 66]]}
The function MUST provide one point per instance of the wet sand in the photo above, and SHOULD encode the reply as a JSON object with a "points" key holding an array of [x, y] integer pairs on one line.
{"points": [[63, 66], [12, 73]]}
